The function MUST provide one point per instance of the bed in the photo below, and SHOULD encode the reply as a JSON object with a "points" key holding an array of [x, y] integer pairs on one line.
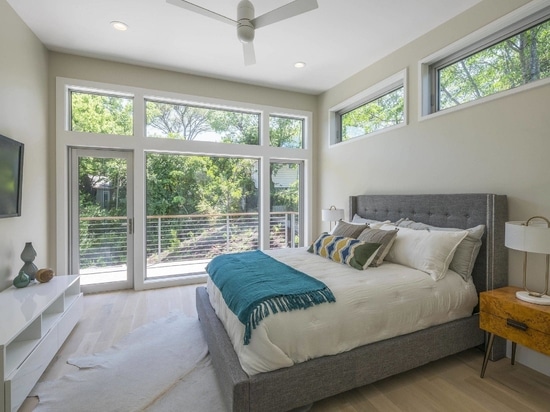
{"points": [[302, 384]]}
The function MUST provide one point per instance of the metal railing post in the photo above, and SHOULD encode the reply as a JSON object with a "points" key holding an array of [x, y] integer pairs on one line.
{"points": [[159, 236]]}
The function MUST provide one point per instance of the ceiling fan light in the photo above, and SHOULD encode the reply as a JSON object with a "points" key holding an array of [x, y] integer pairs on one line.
{"points": [[245, 33]]}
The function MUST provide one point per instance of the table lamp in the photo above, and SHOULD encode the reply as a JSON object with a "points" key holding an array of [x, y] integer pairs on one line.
{"points": [[332, 215], [532, 236]]}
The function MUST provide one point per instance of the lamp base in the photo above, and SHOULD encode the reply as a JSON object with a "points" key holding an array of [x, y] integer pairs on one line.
{"points": [[526, 297]]}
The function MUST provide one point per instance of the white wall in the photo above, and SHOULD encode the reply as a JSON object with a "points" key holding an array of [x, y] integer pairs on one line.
{"points": [[23, 117], [501, 146]]}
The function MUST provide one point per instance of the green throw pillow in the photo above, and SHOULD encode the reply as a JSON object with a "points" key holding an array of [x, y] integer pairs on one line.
{"points": [[345, 250]]}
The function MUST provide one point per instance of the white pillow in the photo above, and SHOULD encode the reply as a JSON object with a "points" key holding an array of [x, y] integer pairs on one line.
{"points": [[466, 252], [428, 251], [373, 224]]}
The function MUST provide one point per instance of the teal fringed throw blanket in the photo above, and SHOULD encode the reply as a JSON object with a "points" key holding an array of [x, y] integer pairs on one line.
{"points": [[254, 285]]}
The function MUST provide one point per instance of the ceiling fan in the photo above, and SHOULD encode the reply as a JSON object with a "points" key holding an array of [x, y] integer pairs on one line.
{"points": [[246, 23]]}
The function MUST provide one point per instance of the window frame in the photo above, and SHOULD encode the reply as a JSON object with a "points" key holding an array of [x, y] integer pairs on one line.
{"points": [[501, 29], [367, 96], [139, 144]]}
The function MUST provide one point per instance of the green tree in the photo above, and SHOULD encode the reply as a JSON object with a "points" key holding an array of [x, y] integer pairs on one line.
{"points": [[518, 60], [286, 132], [385, 111], [96, 113], [236, 127], [175, 121]]}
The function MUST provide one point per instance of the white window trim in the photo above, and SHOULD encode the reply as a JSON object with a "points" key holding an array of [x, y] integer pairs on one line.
{"points": [[373, 92], [427, 95], [138, 143]]}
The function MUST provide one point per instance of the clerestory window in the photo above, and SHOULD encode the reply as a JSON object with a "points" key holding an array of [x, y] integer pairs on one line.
{"points": [[512, 57], [378, 108]]}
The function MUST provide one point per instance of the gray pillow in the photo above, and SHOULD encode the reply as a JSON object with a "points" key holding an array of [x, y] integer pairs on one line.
{"points": [[384, 237], [346, 229], [467, 250]]}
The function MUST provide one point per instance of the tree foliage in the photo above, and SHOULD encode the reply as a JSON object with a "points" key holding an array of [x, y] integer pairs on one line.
{"points": [[286, 132], [95, 113], [385, 111], [176, 121], [178, 183], [513, 62]]}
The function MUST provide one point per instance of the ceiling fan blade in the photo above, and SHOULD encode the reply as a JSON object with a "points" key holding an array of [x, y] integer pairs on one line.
{"points": [[284, 12], [249, 54], [201, 10]]}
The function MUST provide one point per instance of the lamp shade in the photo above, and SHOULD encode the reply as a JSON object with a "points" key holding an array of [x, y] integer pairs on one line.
{"points": [[332, 214], [532, 238]]}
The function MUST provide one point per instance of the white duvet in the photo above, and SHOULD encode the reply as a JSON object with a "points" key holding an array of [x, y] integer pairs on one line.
{"points": [[371, 305]]}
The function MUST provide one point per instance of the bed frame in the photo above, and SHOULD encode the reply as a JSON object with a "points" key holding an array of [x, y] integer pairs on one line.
{"points": [[307, 382]]}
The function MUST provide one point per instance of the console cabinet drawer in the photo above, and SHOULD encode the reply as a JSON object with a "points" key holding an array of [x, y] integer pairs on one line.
{"points": [[20, 383], [34, 323]]}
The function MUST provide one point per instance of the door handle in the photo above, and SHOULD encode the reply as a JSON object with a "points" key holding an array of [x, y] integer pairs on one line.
{"points": [[131, 226]]}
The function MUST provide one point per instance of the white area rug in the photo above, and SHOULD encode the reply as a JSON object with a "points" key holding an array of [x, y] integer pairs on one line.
{"points": [[160, 367]]}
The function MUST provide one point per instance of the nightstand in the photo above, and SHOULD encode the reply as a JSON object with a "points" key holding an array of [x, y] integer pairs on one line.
{"points": [[502, 314]]}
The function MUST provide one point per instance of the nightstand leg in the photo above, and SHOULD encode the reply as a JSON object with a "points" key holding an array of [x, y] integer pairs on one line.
{"points": [[514, 345], [487, 352]]}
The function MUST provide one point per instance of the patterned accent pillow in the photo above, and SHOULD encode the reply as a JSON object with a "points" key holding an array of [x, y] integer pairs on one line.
{"points": [[346, 229], [384, 237], [345, 250]]}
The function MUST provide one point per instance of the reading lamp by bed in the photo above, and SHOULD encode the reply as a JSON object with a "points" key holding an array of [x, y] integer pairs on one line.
{"points": [[532, 236], [332, 215]]}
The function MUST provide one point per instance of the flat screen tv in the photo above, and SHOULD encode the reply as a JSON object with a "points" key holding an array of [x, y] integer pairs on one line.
{"points": [[11, 176]]}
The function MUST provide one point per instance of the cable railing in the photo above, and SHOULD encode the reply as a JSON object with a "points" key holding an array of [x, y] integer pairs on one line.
{"points": [[182, 238]]}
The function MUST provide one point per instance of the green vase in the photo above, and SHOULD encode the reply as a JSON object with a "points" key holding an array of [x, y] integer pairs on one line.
{"points": [[27, 255], [21, 280]]}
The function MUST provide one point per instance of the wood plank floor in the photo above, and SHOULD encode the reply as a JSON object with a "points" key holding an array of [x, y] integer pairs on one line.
{"points": [[451, 384]]}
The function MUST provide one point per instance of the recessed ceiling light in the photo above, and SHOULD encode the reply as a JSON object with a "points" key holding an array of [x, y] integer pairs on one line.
{"points": [[120, 26], [299, 65]]}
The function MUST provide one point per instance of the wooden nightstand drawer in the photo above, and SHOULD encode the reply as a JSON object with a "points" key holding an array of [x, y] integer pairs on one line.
{"points": [[503, 303], [516, 331], [502, 314]]}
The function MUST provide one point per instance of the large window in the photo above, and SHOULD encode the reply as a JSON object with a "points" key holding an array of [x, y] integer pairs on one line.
{"points": [[378, 108], [207, 174], [515, 55]]}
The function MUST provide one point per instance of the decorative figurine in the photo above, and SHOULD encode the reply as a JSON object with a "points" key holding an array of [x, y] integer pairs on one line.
{"points": [[21, 280], [44, 275]]}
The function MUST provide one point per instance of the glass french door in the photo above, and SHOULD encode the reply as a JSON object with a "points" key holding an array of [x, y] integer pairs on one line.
{"points": [[101, 218]]}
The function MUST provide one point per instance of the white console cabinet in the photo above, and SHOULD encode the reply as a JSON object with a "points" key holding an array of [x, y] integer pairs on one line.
{"points": [[34, 323]]}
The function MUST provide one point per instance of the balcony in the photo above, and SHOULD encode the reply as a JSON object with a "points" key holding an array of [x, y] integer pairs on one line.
{"points": [[176, 245]]}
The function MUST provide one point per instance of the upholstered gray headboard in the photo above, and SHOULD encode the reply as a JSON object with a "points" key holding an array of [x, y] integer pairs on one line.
{"points": [[454, 211]]}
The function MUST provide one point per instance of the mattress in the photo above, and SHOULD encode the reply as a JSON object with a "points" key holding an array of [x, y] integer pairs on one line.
{"points": [[371, 305]]}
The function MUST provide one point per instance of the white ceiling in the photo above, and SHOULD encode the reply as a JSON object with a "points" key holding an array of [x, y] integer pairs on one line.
{"points": [[337, 40]]}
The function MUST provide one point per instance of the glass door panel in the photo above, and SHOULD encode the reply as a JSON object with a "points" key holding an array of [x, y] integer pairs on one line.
{"points": [[286, 205], [101, 219]]}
